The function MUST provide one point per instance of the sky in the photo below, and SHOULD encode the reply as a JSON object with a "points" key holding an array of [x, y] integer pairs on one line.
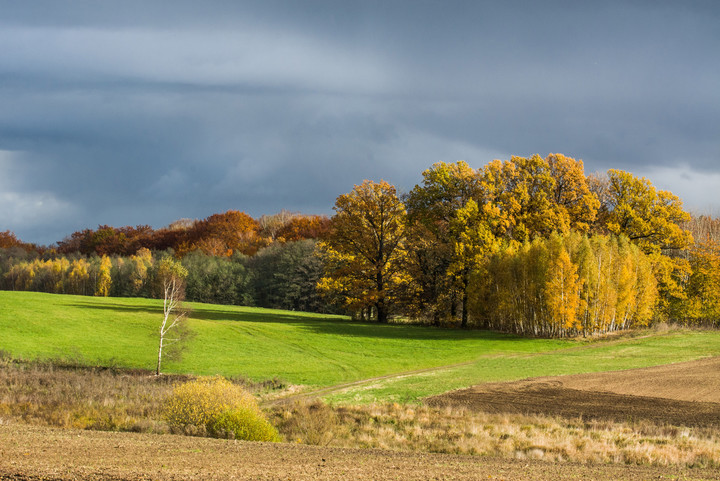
{"points": [[145, 112]]}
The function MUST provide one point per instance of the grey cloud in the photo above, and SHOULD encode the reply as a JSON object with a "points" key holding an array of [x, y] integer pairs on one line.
{"points": [[145, 112]]}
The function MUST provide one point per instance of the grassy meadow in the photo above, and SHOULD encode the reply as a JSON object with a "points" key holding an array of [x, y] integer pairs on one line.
{"points": [[372, 397], [316, 350]]}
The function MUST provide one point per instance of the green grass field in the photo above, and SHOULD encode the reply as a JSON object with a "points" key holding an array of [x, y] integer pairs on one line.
{"points": [[315, 350]]}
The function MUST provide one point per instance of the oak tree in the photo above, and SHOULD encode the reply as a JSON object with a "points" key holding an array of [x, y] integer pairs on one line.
{"points": [[365, 247]]}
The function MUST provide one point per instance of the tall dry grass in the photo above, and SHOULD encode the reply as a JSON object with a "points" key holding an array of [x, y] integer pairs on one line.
{"points": [[83, 397], [459, 431], [71, 395]]}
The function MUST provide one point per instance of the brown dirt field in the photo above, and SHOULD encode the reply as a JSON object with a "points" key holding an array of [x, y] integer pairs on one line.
{"points": [[681, 394], [39, 453], [683, 381]]}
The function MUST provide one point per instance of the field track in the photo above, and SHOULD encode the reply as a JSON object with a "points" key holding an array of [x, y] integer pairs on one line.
{"points": [[343, 387], [685, 393], [30, 453]]}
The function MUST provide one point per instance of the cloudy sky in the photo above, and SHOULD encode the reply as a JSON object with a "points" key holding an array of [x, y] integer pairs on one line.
{"points": [[142, 112]]}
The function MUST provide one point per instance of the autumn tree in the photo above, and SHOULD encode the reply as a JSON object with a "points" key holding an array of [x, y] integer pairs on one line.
{"points": [[170, 277], [440, 261], [649, 218], [562, 286], [566, 284], [653, 221], [79, 276], [365, 247], [8, 239], [270, 225], [702, 304], [473, 242], [571, 192], [529, 200], [703, 228], [303, 227], [104, 277], [223, 234]]}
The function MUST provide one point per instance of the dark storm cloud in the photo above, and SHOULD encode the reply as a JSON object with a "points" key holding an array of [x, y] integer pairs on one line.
{"points": [[145, 112]]}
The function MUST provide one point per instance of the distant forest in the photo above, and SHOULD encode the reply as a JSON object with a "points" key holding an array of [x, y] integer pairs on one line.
{"points": [[528, 245]]}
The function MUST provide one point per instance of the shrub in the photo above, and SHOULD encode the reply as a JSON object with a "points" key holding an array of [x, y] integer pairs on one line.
{"points": [[243, 423], [216, 407]]}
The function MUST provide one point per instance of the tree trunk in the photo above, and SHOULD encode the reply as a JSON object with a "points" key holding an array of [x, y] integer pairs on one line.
{"points": [[159, 360], [382, 316], [380, 304], [464, 315]]}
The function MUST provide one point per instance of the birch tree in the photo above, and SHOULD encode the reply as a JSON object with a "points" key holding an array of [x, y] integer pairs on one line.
{"points": [[171, 280]]}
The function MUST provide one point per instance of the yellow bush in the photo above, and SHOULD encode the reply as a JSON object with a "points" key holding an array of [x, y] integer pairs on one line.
{"points": [[215, 406], [243, 423]]}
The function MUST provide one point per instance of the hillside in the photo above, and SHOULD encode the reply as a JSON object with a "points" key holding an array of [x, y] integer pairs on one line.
{"points": [[316, 350]]}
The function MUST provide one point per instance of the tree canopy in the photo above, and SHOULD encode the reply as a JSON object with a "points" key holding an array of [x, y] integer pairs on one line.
{"points": [[530, 245]]}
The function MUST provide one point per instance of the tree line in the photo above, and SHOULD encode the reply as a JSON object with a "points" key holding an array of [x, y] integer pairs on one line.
{"points": [[230, 258], [281, 276], [527, 245]]}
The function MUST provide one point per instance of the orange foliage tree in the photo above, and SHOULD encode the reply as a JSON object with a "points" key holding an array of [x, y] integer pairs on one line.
{"points": [[223, 235]]}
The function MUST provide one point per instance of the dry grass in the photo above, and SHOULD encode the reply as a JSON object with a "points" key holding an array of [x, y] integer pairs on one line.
{"points": [[108, 399], [84, 398], [69, 395], [455, 430]]}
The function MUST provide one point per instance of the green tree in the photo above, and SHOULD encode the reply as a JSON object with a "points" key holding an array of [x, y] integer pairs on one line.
{"points": [[285, 276], [218, 279]]}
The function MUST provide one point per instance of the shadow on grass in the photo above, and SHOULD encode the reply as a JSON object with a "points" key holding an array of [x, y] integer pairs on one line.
{"points": [[315, 323]]}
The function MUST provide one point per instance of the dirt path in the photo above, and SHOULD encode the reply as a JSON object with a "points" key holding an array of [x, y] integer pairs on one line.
{"points": [[37, 453], [337, 388], [316, 393]]}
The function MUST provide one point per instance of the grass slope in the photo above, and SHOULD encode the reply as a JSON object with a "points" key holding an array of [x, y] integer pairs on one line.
{"points": [[314, 350], [299, 348], [625, 353]]}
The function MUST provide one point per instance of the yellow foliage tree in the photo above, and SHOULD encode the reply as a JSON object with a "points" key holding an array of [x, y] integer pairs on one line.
{"points": [[79, 276], [473, 242], [562, 288], [571, 193], [365, 247], [523, 192], [440, 241], [703, 287], [104, 278]]}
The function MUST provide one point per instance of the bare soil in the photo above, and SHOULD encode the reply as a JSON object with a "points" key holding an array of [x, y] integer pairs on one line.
{"points": [[680, 394], [41, 453], [683, 381]]}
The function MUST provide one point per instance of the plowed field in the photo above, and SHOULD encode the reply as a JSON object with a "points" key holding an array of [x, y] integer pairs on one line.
{"points": [[35, 453], [682, 394]]}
